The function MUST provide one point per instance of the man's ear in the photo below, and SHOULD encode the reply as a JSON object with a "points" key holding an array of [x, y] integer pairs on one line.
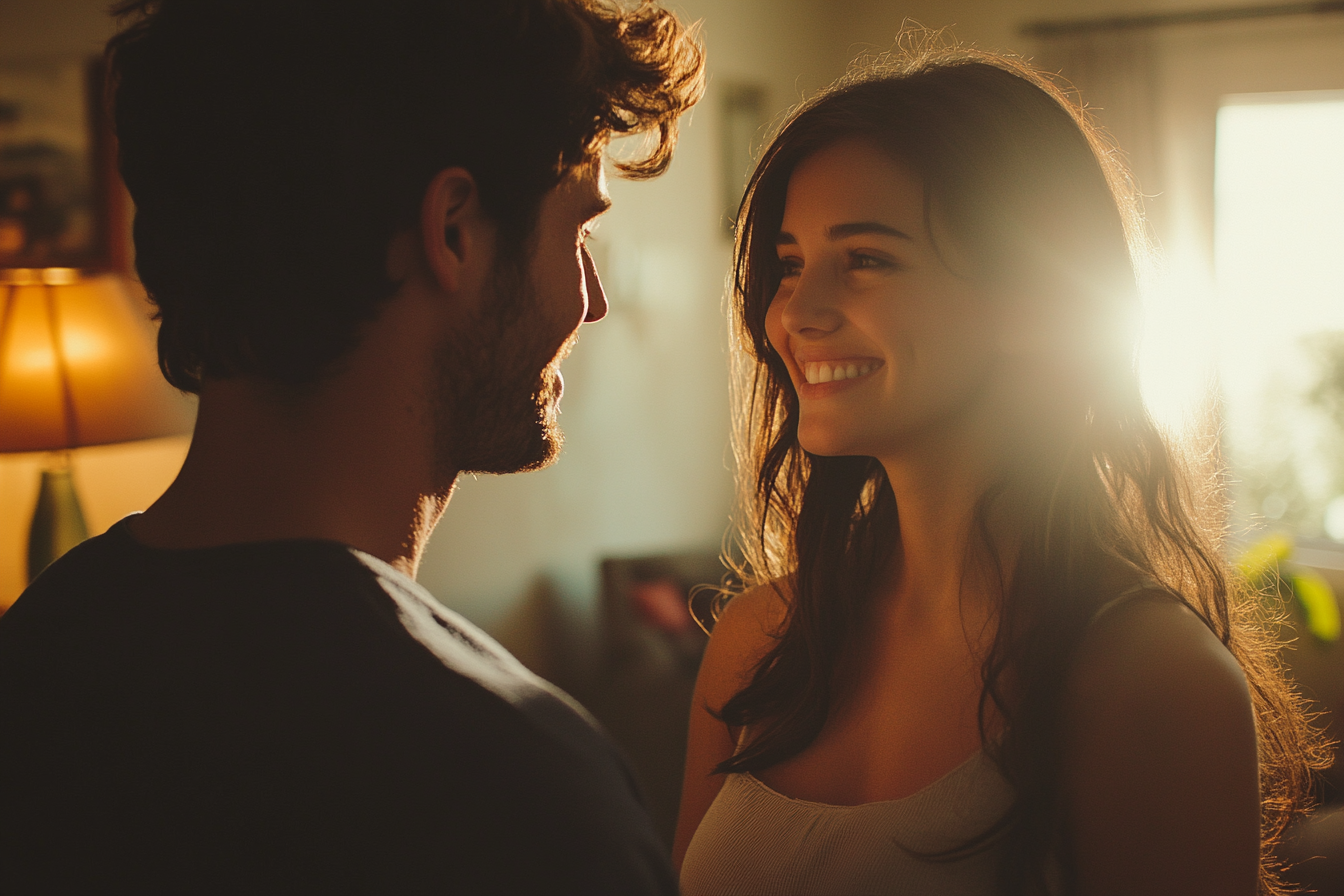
{"points": [[450, 215]]}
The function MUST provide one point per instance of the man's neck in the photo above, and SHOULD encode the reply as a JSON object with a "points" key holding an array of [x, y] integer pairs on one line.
{"points": [[338, 462]]}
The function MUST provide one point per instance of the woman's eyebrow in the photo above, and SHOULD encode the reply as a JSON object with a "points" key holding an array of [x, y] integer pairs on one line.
{"points": [[840, 231]]}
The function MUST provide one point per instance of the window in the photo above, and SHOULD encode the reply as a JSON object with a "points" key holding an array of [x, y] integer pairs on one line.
{"points": [[1279, 266]]}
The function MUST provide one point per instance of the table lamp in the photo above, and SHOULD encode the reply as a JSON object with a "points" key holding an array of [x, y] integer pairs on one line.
{"points": [[77, 368]]}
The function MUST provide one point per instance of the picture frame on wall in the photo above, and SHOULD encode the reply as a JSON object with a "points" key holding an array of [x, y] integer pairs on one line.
{"points": [[61, 201]]}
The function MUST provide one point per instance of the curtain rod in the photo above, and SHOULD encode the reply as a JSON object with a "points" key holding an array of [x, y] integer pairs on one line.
{"points": [[1065, 27]]}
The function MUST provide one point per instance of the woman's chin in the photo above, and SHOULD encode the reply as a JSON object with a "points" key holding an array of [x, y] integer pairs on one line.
{"points": [[827, 442]]}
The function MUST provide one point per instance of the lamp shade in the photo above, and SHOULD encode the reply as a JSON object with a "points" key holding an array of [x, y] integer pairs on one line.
{"points": [[77, 365]]}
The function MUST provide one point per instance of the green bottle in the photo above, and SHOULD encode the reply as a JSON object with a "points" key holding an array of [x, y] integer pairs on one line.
{"points": [[58, 521]]}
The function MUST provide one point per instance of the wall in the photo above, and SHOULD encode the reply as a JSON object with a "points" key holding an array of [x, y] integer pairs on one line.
{"points": [[857, 26]]}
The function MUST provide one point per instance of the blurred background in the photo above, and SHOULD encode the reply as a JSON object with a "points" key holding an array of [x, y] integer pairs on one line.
{"points": [[1232, 117]]}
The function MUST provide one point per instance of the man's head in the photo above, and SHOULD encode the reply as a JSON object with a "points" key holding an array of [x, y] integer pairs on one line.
{"points": [[496, 376], [274, 147]]}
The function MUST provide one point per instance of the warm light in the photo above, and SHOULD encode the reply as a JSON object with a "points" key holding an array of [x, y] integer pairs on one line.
{"points": [[77, 364], [81, 347], [1279, 247], [1178, 361], [38, 276]]}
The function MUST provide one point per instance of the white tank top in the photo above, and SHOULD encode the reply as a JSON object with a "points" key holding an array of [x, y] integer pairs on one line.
{"points": [[756, 841]]}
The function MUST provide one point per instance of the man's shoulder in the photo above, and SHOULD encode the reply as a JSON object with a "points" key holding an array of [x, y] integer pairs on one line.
{"points": [[332, 651], [519, 704], [461, 646], [318, 615], [112, 595], [114, 572], [324, 693]]}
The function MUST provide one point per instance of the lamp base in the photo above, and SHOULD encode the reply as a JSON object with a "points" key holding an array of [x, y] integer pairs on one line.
{"points": [[58, 522]]}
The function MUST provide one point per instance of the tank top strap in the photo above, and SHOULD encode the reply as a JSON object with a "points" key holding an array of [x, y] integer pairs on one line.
{"points": [[1143, 586]]}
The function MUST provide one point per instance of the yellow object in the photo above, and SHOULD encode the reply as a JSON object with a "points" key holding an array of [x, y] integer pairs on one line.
{"points": [[58, 522], [1318, 604], [1267, 561], [1264, 557], [77, 365], [77, 368]]}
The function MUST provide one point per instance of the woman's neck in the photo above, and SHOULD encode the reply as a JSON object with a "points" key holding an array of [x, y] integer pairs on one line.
{"points": [[941, 559]]}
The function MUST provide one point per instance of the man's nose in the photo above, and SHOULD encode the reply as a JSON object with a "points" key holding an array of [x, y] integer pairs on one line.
{"points": [[597, 297]]}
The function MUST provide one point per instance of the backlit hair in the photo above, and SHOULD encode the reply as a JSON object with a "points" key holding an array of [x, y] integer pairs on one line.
{"points": [[273, 147]]}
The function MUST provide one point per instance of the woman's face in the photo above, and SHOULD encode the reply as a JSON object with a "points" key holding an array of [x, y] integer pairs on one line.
{"points": [[887, 348]]}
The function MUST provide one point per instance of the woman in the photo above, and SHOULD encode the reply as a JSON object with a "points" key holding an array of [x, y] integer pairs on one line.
{"points": [[990, 644]]}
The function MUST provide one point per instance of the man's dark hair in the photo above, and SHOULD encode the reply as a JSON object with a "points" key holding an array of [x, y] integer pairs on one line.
{"points": [[273, 147]]}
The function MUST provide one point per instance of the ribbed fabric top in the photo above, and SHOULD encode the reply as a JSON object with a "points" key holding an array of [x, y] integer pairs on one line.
{"points": [[754, 841]]}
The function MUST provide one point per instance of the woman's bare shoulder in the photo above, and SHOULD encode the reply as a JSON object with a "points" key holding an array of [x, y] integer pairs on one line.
{"points": [[1160, 758], [1157, 710], [746, 629], [756, 613], [1151, 649]]}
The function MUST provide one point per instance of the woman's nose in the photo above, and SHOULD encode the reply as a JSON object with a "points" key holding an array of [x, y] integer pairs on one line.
{"points": [[810, 308]]}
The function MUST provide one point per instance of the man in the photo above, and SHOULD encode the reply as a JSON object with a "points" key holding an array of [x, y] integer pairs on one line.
{"points": [[363, 227]]}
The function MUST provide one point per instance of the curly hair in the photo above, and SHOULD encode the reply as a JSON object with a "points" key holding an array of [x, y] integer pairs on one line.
{"points": [[1040, 200], [273, 147]]}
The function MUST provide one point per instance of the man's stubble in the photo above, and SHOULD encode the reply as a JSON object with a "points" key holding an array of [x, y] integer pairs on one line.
{"points": [[498, 382]]}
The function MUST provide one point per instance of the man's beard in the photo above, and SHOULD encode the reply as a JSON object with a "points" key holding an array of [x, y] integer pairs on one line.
{"points": [[498, 383]]}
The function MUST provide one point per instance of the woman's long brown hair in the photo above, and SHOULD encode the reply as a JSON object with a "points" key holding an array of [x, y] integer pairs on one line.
{"points": [[1038, 199]]}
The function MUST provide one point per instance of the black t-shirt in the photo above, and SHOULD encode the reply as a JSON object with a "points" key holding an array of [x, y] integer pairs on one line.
{"points": [[291, 716]]}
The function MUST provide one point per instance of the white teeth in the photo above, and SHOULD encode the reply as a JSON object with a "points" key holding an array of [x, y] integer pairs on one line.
{"points": [[822, 372]]}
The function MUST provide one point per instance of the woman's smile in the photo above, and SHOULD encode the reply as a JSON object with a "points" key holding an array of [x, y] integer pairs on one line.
{"points": [[839, 369]]}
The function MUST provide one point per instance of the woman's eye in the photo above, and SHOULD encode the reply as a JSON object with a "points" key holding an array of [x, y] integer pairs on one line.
{"points": [[865, 261], [790, 267]]}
